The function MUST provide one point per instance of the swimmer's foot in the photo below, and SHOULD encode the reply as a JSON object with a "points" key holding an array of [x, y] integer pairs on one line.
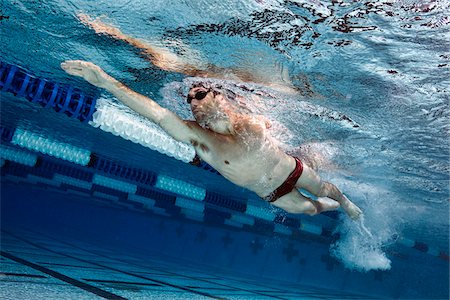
{"points": [[327, 204], [351, 209]]}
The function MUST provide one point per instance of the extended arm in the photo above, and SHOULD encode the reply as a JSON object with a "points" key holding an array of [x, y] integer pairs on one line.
{"points": [[167, 60], [159, 56], [145, 106]]}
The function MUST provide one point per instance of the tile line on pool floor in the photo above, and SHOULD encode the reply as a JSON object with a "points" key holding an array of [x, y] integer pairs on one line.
{"points": [[114, 269], [165, 271], [72, 281], [275, 293]]}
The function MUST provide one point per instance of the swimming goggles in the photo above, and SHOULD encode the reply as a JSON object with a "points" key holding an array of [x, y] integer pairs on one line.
{"points": [[200, 95]]}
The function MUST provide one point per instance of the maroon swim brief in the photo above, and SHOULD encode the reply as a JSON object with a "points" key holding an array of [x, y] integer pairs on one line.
{"points": [[289, 184]]}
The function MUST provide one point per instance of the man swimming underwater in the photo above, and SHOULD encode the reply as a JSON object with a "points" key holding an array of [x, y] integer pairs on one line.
{"points": [[237, 145]]}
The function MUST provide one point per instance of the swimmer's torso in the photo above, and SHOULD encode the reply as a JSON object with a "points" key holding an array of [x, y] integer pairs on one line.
{"points": [[247, 158]]}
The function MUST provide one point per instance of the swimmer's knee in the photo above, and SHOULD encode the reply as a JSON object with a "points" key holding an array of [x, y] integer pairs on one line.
{"points": [[311, 212], [309, 208], [315, 209], [296, 203], [322, 190], [298, 207]]}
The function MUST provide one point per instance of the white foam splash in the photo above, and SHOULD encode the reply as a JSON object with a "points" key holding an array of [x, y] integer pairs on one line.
{"points": [[361, 243], [359, 249]]}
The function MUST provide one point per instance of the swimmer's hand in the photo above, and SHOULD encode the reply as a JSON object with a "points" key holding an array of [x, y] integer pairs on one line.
{"points": [[88, 71]]}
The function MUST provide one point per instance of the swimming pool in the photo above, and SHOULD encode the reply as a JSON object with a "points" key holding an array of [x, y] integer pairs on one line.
{"points": [[86, 213]]}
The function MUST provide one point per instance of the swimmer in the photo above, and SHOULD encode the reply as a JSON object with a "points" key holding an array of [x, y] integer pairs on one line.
{"points": [[237, 145]]}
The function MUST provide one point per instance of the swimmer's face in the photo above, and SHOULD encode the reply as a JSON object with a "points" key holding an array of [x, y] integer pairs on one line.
{"points": [[209, 108]]}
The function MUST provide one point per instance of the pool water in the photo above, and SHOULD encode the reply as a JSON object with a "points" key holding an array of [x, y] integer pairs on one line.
{"points": [[372, 100]]}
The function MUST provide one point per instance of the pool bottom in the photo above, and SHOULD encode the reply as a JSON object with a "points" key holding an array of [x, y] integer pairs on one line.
{"points": [[37, 266]]}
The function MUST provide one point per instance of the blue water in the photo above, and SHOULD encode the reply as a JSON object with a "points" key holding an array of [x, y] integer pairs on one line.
{"points": [[383, 64]]}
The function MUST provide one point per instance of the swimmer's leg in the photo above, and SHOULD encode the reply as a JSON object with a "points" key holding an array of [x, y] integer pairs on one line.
{"points": [[310, 181], [296, 203], [159, 56]]}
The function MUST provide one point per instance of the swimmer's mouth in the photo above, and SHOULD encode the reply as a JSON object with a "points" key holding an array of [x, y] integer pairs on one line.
{"points": [[198, 114]]}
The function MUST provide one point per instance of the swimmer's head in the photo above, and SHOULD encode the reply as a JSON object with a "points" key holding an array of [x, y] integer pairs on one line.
{"points": [[210, 107]]}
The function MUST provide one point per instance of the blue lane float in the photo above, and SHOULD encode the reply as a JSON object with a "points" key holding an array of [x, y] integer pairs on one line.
{"points": [[6, 134], [63, 98], [117, 169]]}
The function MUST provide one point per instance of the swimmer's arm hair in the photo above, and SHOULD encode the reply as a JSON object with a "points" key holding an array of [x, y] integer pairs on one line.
{"points": [[170, 122], [159, 56]]}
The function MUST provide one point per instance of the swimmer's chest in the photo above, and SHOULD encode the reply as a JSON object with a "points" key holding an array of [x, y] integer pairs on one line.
{"points": [[219, 151], [231, 157]]}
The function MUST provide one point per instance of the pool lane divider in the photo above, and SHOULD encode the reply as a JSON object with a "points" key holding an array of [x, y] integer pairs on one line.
{"points": [[122, 121], [36, 142], [422, 247], [18, 156], [63, 98]]}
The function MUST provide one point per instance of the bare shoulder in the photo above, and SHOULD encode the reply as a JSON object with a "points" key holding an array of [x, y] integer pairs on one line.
{"points": [[249, 125], [204, 140], [200, 134], [196, 129]]}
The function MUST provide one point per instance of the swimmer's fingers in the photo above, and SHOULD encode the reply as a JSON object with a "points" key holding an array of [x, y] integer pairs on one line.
{"points": [[70, 68], [95, 24], [75, 67], [79, 67], [84, 19]]}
